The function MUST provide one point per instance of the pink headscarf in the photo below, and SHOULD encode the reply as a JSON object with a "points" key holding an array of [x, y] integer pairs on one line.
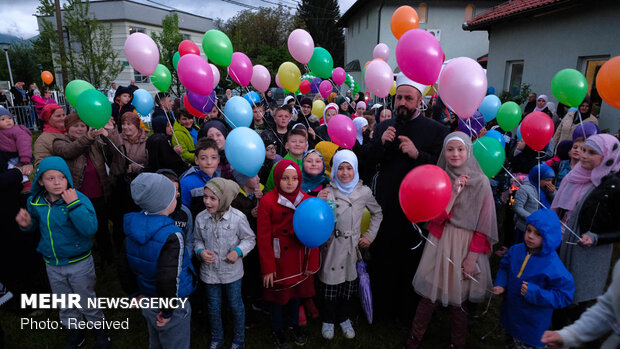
{"points": [[544, 106], [329, 106]]}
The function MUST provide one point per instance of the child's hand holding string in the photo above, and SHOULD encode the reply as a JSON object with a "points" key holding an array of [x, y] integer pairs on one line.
{"points": [[268, 280]]}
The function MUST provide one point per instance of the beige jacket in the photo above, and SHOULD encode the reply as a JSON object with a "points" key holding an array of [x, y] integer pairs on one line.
{"points": [[43, 146], [566, 128], [134, 151]]}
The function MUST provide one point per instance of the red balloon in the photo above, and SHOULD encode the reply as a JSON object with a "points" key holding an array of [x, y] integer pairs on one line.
{"points": [[537, 130], [304, 87], [424, 193], [188, 46], [197, 113]]}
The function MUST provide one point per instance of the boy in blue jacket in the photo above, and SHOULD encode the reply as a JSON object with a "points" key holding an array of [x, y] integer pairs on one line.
{"points": [[535, 281], [67, 220]]}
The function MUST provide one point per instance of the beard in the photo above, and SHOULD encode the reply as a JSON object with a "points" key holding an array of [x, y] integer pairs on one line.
{"points": [[404, 114]]}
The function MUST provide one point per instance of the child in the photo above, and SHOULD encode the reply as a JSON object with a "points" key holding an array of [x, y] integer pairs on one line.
{"points": [[207, 158], [181, 215], [282, 118], [574, 155], [339, 254], [15, 144], [222, 237], [271, 155], [67, 220], [535, 281], [159, 260], [186, 135], [296, 145], [530, 193], [286, 264], [121, 105], [313, 172]]}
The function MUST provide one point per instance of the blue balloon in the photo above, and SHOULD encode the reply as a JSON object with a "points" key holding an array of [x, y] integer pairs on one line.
{"points": [[570, 110], [143, 101], [252, 97], [489, 107], [313, 222], [497, 135], [314, 85], [519, 137], [245, 150], [238, 112]]}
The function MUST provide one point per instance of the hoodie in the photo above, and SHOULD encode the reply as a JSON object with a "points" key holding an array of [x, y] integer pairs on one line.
{"points": [[550, 285]]}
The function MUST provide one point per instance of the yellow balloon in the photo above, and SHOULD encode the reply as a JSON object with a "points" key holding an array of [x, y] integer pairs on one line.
{"points": [[289, 75], [393, 90], [317, 108], [328, 149], [365, 221]]}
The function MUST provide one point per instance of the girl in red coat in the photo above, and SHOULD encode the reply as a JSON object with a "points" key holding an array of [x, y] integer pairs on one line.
{"points": [[286, 264]]}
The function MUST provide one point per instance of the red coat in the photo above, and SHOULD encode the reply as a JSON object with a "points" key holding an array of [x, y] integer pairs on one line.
{"points": [[275, 227]]}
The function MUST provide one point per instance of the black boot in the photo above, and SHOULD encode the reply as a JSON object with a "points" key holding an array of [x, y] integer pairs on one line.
{"points": [[75, 339], [102, 339]]}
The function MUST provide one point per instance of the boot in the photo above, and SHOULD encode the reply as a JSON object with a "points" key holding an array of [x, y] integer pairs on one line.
{"points": [[423, 316], [459, 326]]}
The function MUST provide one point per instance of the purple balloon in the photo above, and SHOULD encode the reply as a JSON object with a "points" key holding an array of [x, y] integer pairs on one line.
{"points": [[585, 130], [473, 125], [202, 103], [314, 85]]}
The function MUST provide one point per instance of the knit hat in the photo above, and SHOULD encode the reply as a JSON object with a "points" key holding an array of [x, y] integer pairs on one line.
{"points": [[218, 124], [268, 138], [306, 101], [563, 148], [153, 192], [48, 110], [159, 123], [131, 117], [4, 111], [71, 120], [225, 190]]}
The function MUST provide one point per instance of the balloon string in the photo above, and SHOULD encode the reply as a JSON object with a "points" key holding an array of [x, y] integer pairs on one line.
{"points": [[170, 124], [120, 152]]}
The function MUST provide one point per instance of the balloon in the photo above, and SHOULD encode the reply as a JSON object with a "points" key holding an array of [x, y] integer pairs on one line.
{"points": [[278, 83], [240, 69], [585, 130], [381, 51], [317, 108], [217, 47], [203, 104], [94, 108], [216, 75], [143, 101], [419, 56], [304, 87], [342, 131], [497, 135], [338, 76], [429, 182], [519, 137], [490, 155], [404, 19], [321, 63], [245, 151], [47, 77], [379, 78], [393, 89], [537, 130], [195, 112], [161, 78], [569, 87], [300, 45], [325, 88], [188, 46], [75, 88], [608, 82], [365, 221], [252, 97], [315, 84], [290, 76], [489, 107], [195, 74], [238, 112], [261, 79], [473, 125], [142, 53], [509, 116], [313, 222], [462, 86], [175, 59]]}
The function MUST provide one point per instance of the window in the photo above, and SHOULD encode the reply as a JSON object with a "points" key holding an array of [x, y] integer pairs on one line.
{"points": [[590, 67], [469, 13], [186, 37], [422, 13], [140, 79], [134, 29], [513, 77]]}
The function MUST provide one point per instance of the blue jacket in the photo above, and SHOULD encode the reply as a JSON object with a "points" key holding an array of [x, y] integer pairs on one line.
{"points": [[192, 179], [65, 228], [550, 285]]}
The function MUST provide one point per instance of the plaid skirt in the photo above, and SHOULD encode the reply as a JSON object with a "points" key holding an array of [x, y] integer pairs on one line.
{"points": [[344, 291]]}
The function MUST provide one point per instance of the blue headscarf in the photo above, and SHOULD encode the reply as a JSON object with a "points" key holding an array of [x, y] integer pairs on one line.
{"points": [[350, 158], [309, 182], [545, 172]]}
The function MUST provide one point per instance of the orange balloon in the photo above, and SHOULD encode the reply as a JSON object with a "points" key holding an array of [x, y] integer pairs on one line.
{"points": [[47, 77], [608, 82], [404, 19]]}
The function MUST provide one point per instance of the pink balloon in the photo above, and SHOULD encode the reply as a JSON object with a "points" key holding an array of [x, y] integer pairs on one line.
{"points": [[342, 131], [381, 51], [216, 75], [462, 86], [195, 74], [142, 53], [379, 78], [419, 56], [301, 45], [325, 88], [278, 81], [261, 79], [339, 76], [240, 69]]}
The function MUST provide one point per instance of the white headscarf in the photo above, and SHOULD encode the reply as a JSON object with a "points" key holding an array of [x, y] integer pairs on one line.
{"points": [[350, 158], [359, 125], [327, 107]]}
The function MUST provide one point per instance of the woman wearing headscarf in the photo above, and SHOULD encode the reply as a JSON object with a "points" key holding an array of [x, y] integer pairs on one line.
{"points": [[314, 178], [454, 268], [53, 117], [330, 110], [588, 202], [571, 120], [542, 105], [360, 108], [343, 106], [216, 130], [161, 152]]}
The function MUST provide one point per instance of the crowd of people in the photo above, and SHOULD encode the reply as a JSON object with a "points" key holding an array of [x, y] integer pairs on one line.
{"points": [[186, 224]]}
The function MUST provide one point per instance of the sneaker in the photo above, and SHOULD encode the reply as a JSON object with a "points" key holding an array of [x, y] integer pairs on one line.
{"points": [[327, 330], [302, 316], [279, 338], [102, 339], [236, 345], [298, 335], [347, 329], [5, 294], [75, 339], [215, 345], [311, 308]]}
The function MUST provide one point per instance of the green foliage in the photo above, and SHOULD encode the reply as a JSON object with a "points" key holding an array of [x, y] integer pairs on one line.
{"points": [[168, 43], [23, 64], [46, 8], [319, 18], [506, 96]]}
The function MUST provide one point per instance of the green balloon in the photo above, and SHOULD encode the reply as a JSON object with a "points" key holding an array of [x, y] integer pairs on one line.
{"points": [[321, 63], [94, 108], [175, 59], [161, 78], [75, 88], [509, 116], [490, 155], [570, 87], [217, 47]]}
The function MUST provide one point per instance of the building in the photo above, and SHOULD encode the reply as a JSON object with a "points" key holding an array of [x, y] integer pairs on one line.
{"points": [[127, 17], [367, 23], [531, 40]]}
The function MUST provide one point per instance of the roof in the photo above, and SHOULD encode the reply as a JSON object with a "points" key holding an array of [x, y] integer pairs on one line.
{"points": [[343, 21], [510, 10]]}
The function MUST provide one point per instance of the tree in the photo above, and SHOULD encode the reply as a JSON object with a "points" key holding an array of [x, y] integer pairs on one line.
{"points": [[168, 42], [23, 63], [320, 18]]}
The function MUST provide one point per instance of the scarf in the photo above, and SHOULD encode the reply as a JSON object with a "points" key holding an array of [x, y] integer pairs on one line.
{"points": [[310, 182], [226, 191], [46, 114], [359, 125], [278, 171], [329, 106], [544, 106], [350, 158]]}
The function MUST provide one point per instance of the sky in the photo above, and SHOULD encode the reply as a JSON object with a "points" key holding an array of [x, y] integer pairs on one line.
{"points": [[18, 19]]}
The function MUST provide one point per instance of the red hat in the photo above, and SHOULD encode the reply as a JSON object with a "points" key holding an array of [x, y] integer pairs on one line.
{"points": [[48, 110]]}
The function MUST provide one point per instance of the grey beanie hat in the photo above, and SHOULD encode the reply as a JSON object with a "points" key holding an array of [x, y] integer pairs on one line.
{"points": [[153, 192]]}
